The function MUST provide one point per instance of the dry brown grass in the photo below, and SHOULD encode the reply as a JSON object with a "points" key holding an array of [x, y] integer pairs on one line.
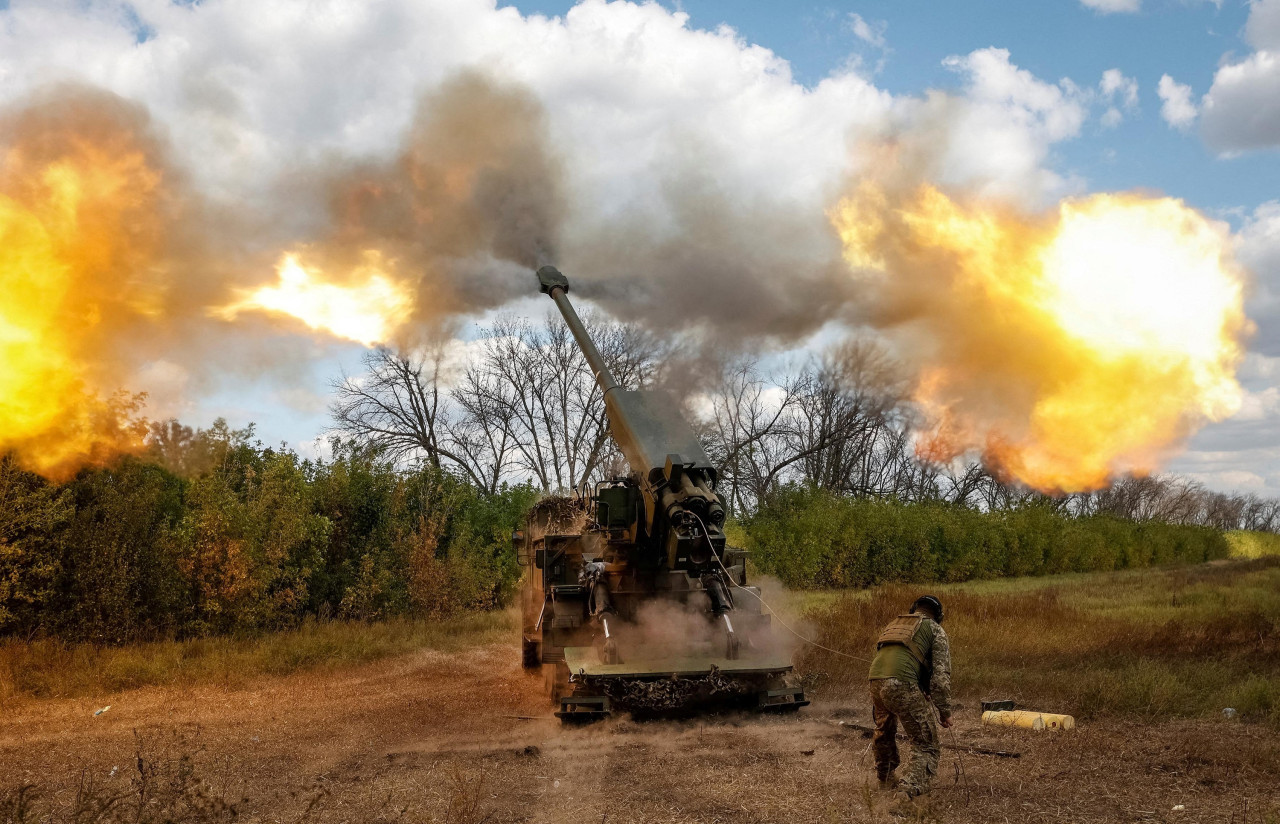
{"points": [[1153, 644], [50, 668], [433, 737]]}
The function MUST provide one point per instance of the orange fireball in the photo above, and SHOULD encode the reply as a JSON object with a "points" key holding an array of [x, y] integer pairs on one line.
{"points": [[366, 306], [1066, 347], [70, 224]]}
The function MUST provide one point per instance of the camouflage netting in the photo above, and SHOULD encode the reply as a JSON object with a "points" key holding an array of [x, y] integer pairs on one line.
{"points": [[557, 514]]}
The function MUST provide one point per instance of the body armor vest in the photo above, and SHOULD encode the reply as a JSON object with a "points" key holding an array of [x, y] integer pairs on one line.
{"points": [[902, 630]]}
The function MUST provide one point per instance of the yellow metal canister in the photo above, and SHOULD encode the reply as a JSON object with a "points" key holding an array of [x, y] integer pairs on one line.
{"points": [[1029, 720]]}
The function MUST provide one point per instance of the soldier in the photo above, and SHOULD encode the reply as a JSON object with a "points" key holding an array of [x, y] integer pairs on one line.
{"points": [[912, 667]]}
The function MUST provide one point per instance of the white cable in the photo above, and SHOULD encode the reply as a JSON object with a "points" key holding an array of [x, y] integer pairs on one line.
{"points": [[773, 612]]}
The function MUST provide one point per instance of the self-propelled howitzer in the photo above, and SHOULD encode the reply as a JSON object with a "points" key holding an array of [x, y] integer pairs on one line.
{"points": [[634, 606]]}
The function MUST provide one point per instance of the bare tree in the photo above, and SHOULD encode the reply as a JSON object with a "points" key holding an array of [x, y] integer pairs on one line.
{"points": [[527, 406], [852, 428], [746, 433], [482, 434], [399, 405], [534, 386], [841, 424]]}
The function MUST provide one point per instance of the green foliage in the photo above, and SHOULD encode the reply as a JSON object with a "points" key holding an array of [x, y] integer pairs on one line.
{"points": [[813, 538], [118, 571], [212, 533], [1253, 544], [33, 516]]}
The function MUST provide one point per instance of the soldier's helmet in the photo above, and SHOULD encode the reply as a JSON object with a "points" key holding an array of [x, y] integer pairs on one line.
{"points": [[930, 603]]}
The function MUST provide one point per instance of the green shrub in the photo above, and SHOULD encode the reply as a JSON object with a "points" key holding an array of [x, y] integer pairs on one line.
{"points": [[813, 538], [1252, 544], [246, 539]]}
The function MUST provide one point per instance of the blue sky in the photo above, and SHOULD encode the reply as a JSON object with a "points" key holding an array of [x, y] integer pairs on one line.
{"points": [[249, 92], [1051, 38]]}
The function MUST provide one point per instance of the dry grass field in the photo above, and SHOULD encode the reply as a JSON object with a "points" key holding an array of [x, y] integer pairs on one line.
{"points": [[443, 726]]}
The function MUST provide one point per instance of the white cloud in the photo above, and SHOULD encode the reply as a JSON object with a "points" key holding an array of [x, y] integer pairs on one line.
{"points": [[1115, 86], [1242, 108], [1002, 136], [867, 32], [1257, 406], [1177, 109], [1233, 481], [1117, 91], [247, 89], [1260, 240], [1260, 367], [1113, 6], [1263, 28]]}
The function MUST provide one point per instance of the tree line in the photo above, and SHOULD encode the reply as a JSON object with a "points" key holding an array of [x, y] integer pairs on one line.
{"points": [[525, 407], [210, 532], [432, 465]]}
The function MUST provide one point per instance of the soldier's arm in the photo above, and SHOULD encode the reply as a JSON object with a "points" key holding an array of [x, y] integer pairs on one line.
{"points": [[940, 681]]}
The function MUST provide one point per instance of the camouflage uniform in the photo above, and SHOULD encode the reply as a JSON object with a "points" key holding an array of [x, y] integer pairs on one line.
{"points": [[896, 695]]}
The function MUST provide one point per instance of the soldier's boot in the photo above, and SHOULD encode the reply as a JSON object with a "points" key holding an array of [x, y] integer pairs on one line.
{"points": [[903, 805], [889, 782], [908, 802]]}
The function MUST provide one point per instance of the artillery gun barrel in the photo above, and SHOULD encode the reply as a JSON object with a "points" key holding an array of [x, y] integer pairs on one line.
{"points": [[683, 515], [556, 285]]}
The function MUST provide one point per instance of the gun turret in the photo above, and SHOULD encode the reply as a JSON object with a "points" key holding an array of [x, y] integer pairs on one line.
{"points": [[683, 521]]}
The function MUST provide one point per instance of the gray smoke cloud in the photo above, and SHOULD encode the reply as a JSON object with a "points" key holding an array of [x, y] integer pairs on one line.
{"points": [[727, 270], [477, 197], [470, 204]]}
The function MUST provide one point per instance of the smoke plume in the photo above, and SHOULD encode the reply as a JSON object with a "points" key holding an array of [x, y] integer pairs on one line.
{"points": [[472, 202], [1065, 345], [734, 273], [118, 273]]}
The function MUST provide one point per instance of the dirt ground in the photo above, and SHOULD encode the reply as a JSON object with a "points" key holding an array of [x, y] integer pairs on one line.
{"points": [[436, 737]]}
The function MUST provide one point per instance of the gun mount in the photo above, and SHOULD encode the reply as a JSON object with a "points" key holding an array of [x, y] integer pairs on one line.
{"points": [[654, 537]]}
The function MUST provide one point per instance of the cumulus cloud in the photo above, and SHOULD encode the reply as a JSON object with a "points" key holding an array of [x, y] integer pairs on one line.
{"points": [[1177, 108], [1263, 28], [1242, 108], [1242, 453], [1256, 406], [1250, 439], [1113, 6], [1117, 92], [999, 136]]}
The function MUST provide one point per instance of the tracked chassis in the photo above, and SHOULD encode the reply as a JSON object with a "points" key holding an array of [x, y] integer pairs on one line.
{"points": [[643, 677]]}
